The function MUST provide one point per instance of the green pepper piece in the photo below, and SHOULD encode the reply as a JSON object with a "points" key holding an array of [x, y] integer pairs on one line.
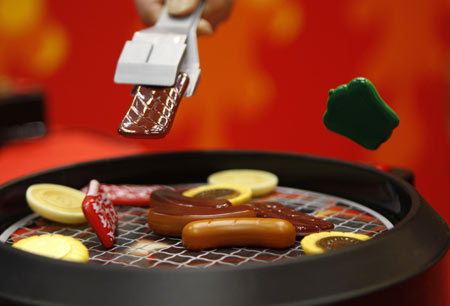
{"points": [[356, 110]]}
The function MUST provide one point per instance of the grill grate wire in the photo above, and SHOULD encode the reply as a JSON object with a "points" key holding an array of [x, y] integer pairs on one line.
{"points": [[137, 246]]}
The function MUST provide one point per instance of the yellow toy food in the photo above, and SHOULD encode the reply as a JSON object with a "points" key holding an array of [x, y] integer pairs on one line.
{"points": [[326, 241], [55, 246], [236, 194], [56, 202], [259, 181]]}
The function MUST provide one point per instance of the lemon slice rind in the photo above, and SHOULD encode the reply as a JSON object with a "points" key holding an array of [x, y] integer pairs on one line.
{"points": [[54, 246], [310, 247], [259, 181], [56, 202]]}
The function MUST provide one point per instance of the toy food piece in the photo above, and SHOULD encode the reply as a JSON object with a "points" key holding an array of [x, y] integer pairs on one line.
{"points": [[169, 197], [132, 195], [357, 111], [169, 221], [304, 224], [56, 202], [236, 194], [100, 213], [153, 110], [145, 247], [54, 246], [229, 232], [326, 241], [259, 181]]}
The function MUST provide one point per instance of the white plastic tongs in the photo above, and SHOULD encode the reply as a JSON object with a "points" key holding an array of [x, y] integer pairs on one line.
{"points": [[157, 54]]}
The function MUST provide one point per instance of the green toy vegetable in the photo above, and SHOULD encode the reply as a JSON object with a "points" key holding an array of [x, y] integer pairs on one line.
{"points": [[357, 111]]}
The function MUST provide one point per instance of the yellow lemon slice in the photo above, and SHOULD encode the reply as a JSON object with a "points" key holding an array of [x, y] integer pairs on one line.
{"points": [[236, 194], [54, 246], [327, 241], [259, 181], [45, 245], [56, 202], [78, 253]]}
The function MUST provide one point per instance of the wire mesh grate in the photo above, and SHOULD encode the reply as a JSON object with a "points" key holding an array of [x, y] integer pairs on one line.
{"points": [[137, 246]]}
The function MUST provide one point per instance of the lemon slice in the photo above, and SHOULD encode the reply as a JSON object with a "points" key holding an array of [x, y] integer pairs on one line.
{"points": [[45, 245], [54, 246], [236, 194], [78, 253], [326, 241], [56, 202], [259, 181]]}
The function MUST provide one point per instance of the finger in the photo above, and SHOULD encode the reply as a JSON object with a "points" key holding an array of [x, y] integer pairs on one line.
{"points": [[181, 7], [216, 11], [204, 27], [149, 10]]}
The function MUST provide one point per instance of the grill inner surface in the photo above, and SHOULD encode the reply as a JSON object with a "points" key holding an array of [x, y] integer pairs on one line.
{"points": [[137, 246]]}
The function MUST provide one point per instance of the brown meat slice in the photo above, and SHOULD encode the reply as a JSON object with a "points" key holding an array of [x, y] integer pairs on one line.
{"points": [[153, 110]]}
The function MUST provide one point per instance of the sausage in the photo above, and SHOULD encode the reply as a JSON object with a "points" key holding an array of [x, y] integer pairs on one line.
{"points": [[170, 220], [228, 232], [304, 224], [169, 197]]}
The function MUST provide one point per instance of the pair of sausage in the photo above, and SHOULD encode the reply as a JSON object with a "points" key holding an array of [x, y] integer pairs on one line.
{"points": [[206, 223], [169, 221]]}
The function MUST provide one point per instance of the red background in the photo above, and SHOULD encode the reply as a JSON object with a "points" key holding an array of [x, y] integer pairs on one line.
{"points": [[265, 78], [266, 73]]}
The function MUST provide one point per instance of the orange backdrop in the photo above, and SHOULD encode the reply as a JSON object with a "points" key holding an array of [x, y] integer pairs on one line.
{"points": [[265, 75], [265, 80]]}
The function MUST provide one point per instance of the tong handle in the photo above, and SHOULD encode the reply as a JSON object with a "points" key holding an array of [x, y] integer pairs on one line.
{"points": [[156, 55], [185, 25]]}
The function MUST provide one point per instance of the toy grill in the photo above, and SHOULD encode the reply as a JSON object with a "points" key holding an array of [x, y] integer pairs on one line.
{"points": [[149, 269]]}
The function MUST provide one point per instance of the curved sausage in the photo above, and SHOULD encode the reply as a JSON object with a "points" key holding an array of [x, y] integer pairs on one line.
{"points": [[169, 197], [228, 232], [170, 220]]}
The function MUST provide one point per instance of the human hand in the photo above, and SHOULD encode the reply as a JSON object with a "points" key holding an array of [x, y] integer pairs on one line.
{"points": [[214, 12]]}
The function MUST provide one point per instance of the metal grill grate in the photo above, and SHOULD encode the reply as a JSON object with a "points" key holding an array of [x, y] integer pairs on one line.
{"points": [[137, 246]]}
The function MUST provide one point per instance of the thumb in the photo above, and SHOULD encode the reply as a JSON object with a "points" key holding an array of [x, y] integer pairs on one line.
{"points": [[181, 7]]}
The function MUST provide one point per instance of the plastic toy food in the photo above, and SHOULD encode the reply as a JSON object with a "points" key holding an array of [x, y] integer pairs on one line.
{"points": [[54, 246], [357, 111], [56, 202], [230, 232], [304, 224], [169, 220], [169, 197], [133, 195], [100, 213], [153, 110], [259, 181], [326, 241], [236, 194]]}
